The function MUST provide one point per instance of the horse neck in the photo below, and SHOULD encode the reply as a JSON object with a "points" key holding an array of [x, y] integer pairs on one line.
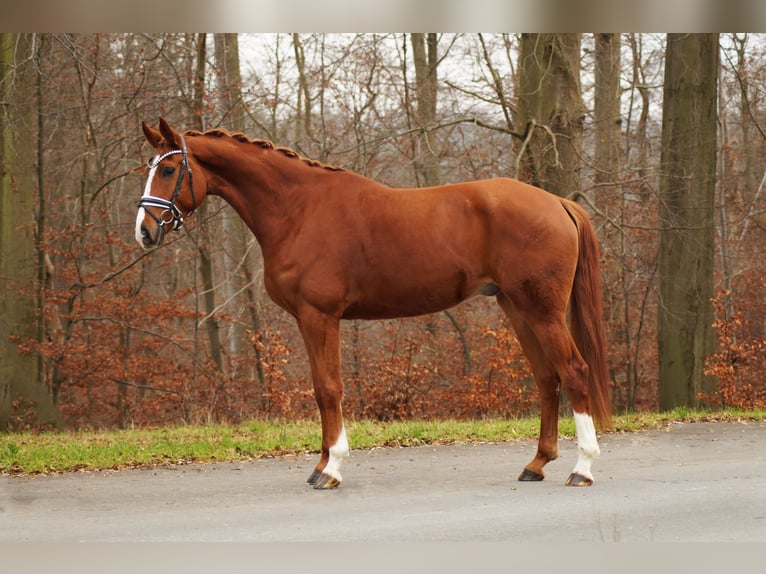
{"points": [[262, 185]]}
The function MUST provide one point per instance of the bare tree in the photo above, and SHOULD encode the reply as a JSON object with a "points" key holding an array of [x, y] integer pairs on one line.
{"points": [[609, 197], [550, 107], [687, 202], [241, 260], [21, 391], [425, 58], [204, 239]]}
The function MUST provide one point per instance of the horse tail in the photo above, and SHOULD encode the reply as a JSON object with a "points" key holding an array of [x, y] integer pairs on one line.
{"points": [[586, 316]]}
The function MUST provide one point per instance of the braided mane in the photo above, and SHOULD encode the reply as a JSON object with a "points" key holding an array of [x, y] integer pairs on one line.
{"points": [[264, 144]]}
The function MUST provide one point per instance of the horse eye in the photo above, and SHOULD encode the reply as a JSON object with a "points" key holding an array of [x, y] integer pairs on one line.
{"points": [[167, 171]]}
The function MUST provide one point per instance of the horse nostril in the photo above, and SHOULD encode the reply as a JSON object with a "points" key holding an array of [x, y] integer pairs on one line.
{"points": [[146, 237]]}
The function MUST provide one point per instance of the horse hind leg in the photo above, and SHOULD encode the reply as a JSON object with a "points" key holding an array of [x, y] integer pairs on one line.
{"points": [[573, 372], [556, 362], [549, 387]]}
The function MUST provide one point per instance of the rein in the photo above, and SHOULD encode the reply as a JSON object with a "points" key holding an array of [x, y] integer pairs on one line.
{"points": [[170, 214]]}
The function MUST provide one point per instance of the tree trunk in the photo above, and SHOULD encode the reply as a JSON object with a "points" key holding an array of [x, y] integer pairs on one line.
{"points": [[23, 399], [607, 113], [687, 194], [241, 254], [303, 124], [609, 198], [44, 266], [550, 106], [230, 104], [424, 55], [742, 190], [204, 246]]}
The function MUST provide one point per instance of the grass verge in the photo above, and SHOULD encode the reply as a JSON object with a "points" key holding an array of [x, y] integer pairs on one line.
{"points": [[43, 453]]}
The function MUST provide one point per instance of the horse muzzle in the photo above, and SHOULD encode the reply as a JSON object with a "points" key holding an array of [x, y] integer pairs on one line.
{"points": [[149, 240], [149, 234], [150, 231]]}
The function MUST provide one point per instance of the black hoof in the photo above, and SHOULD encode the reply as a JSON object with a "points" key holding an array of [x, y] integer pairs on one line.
{"points": [[314, 477], [578, 480], [530, 476], [325, 482]]}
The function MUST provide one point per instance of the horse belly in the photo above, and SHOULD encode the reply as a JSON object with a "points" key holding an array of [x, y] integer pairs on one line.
{"points": [[393, 308], [408, 293], [429, 265]]}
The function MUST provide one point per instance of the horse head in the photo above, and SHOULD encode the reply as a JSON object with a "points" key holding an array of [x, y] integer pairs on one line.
{"points": [[170, 193]]}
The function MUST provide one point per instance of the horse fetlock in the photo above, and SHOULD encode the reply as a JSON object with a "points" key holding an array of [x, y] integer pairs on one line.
{"points": [[328, 476], [587, 450]]}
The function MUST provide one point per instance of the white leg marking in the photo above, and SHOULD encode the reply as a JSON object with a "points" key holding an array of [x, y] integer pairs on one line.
{"points": [[338, 452], [141, 212], [587, 445]]}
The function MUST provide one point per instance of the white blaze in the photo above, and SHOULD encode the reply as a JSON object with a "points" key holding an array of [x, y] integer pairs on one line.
{"points": [[587, 445], [141, 212]]}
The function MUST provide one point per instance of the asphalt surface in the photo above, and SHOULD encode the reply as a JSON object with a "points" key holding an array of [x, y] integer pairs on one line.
{"points": [[689, 482]]}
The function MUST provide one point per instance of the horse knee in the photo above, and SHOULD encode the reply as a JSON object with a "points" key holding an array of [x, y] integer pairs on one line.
{"points": [[328, 395]]}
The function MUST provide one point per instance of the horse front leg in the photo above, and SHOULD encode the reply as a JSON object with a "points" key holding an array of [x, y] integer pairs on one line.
{"points": [[321, 335]]}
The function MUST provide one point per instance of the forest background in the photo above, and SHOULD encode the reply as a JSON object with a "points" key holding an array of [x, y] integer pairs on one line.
{"points": [[660, 137]]}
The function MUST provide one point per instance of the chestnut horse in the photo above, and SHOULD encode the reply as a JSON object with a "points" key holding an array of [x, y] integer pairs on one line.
{"points": [[337, 245]]}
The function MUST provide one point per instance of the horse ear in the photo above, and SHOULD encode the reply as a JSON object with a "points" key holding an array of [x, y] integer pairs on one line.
{"points": [[169, 134], [152, 136]]}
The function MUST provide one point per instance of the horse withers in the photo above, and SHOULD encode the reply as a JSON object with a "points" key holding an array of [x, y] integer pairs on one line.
{"points": [[337, 245]]}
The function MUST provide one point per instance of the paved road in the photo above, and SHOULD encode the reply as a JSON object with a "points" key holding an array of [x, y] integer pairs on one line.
{"points": [[689, 482]]}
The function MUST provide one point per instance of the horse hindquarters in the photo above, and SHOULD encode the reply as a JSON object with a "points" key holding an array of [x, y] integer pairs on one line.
{"points": [[565, 269]]}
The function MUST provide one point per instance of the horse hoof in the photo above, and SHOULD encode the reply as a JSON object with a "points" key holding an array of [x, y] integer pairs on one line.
{"points": [[576, 479], [530, 476], [325, 482], [314, 478]]}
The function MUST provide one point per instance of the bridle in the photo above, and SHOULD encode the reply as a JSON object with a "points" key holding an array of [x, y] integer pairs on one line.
{"points": [[170, 215]]}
